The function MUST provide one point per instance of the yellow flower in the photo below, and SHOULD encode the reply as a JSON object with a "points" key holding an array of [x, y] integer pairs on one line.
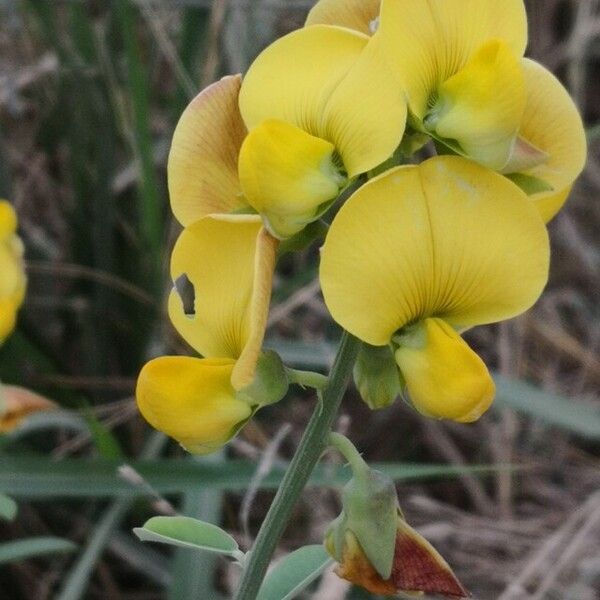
{"points": [[203, 402], [424, 252], [417, 568], [12, 279], [322, 107], [312, 128], [467, 84]]}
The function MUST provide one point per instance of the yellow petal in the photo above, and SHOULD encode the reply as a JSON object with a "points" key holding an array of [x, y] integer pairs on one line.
{"points": [[287, 174], [8, 318], [264, 268], [447, 238], [8, 220], [334, 84], [444, 377], [218, 258], [353, 14], [191, 400], [481, 107], [428, 41], [203, 172], [552, 123]]}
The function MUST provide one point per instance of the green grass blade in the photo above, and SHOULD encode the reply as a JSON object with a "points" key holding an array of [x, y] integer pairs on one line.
{"points": [[38, 477], [571, 415], [33, 547]]}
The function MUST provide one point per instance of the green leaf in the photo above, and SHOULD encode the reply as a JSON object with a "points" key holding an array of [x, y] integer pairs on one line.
{"points": [[38, 546], [188, 533], [565, 413], [294, 573], [8, 508]]}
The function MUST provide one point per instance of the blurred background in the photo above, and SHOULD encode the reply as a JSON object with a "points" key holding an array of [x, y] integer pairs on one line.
{"points": [[90, 92]]}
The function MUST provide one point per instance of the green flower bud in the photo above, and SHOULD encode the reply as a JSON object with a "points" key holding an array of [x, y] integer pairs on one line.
{"points": [[377, 376]]}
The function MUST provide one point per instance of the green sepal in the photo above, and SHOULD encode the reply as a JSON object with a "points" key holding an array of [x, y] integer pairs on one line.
{"points": [[270, 382], [377, 376], [371, 514], [317, 230], [530, 184]]}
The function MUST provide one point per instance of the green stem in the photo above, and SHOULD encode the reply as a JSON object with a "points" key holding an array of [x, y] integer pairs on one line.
{"points": [[347, 449], [307, 379], [308, 453]]}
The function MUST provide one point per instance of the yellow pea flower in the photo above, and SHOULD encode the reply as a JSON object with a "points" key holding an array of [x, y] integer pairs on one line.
{"points": [[202, 403], [467, 83], [423, 252], [322, 107], [298, 136], [12, 275]]}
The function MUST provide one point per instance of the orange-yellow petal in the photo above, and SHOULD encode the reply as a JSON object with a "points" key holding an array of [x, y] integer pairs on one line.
{"points": [[203, 162], [192, 401], [17, 403]]}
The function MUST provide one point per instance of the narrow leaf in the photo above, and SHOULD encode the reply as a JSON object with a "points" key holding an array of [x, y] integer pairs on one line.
{"points": [[294, 573], [569, 414], [188, 533], [29, 548]]}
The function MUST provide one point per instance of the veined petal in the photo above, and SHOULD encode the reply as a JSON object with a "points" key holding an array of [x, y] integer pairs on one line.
{"points": [[203, 162], [446, 238], [358, 15], [218, 259], [552, 123], [192, 401], [481, 106], [340, 89], [286, 174], [428, 41], [444, 377]]}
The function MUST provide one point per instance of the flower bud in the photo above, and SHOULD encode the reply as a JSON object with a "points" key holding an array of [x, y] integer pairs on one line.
{"points": [[377, 550], [376, 376]]}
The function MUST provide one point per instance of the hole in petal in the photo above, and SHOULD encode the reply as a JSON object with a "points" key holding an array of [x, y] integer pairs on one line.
{"points": [[187, 293]]}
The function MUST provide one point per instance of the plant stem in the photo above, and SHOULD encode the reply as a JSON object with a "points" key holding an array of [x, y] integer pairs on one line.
{"points": [[348, 450], [307, 379], [308, 453]]}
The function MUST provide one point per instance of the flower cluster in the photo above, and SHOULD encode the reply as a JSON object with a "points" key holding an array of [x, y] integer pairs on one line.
{"points": [[13, 281], [418, 253]]}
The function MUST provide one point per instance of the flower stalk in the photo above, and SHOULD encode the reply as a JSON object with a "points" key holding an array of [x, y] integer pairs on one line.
{"points": [[310, 449]]}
